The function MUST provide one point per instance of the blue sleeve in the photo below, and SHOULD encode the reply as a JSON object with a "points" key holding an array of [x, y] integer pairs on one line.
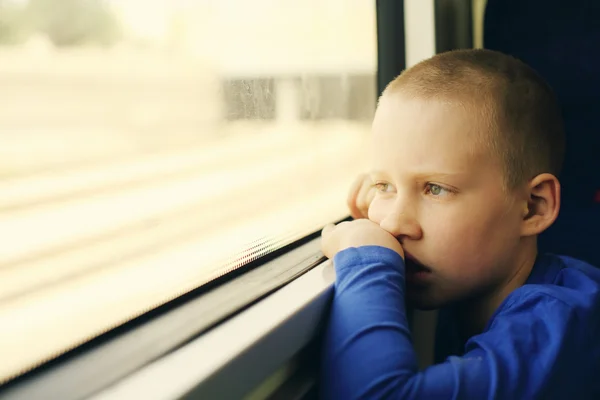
{"points": [[368, 352]]}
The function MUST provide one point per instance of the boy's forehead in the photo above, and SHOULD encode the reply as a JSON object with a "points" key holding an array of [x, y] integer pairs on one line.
{"points": [[399, 110], [428, 134]]}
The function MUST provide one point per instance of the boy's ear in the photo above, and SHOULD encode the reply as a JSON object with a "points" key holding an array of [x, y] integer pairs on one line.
{"points": [[542, 206]]}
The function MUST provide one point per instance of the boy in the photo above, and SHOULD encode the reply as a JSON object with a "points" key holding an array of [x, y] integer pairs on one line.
{"points": [[467, 147]]}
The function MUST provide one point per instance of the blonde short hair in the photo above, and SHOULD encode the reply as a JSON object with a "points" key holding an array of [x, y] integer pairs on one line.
{"points": [[517, 106]]}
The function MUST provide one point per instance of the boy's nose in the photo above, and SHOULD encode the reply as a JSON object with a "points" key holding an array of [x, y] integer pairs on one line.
{"points": [[402, 226]]}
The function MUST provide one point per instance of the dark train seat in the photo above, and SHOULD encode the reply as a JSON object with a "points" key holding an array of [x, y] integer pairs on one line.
{"points": [[561, 40]]}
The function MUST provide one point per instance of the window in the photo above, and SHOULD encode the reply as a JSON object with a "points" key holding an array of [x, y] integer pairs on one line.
{"points": [[149, 147]]}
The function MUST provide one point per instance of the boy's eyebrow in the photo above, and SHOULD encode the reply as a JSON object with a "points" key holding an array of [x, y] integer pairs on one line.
{"points": [[425, 174], [453, 174], [377, 172]]}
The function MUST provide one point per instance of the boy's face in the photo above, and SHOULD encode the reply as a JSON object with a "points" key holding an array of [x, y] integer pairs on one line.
{"points": [[441, 194]]}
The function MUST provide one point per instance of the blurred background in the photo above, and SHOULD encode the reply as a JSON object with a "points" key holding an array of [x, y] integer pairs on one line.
{"points": [[149, 147]]}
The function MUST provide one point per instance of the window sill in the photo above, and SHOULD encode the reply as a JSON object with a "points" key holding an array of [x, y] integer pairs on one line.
{"points": [[239, 342], [235, 357]]}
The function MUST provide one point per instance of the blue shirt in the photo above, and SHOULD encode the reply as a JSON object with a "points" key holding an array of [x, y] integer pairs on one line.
{"points": [[542, 342]]}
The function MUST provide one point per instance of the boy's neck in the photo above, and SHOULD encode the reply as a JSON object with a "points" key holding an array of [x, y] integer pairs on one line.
{"points": [[473, 315]]}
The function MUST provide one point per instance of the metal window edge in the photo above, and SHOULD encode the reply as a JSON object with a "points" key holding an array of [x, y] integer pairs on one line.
{"points": [[98, 366], [232, 359]]}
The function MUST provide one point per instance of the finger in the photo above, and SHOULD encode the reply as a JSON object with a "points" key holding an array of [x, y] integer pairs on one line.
{"points": [[364, 198], [326, 240], [355, 212], [327, 230]]}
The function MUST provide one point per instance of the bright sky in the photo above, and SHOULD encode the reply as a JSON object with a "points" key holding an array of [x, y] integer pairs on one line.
{"points": [[241, 31], [151, 16], [255, 34]]}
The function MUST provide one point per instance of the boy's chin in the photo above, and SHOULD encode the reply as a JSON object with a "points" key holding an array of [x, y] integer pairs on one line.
{"points": [[422, 306], [422, 300]]}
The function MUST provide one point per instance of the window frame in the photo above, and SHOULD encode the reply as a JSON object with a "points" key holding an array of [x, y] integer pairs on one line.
{"points": [[235, 357], [126, 349]]}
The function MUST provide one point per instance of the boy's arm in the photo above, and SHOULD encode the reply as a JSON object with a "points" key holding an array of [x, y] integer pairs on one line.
{"points": [[368, 351]]}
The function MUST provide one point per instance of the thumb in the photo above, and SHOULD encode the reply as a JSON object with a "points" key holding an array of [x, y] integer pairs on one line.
{"points": [[327, 245], [327, 230]]}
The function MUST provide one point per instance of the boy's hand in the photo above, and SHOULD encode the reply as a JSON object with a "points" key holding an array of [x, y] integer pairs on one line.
{"points": [[360, 197], [361, 232]]}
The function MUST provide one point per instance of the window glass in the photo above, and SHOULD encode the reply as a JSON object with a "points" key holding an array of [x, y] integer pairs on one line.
{"points": [[150, 146]]}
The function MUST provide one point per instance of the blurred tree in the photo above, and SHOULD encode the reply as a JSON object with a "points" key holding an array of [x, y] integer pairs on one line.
{"points": [[74, 22], [12, 24]]}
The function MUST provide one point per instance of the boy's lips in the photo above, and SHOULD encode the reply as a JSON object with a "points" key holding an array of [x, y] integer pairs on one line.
{"points": [[415, 272], [413, 264]]}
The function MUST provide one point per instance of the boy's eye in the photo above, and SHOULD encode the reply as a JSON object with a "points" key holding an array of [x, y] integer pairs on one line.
{"points": [[436, 190], [382, 187]]}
